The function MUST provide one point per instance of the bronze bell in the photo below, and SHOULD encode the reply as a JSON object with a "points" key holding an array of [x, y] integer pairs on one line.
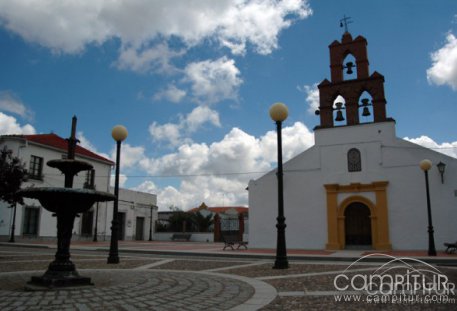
{"points": [[349, 66], [366, 112], [339, 116]]}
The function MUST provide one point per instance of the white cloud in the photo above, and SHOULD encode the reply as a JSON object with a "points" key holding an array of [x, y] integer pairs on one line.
{"points": [[143, 27], [130, 155], [295, 139], [446, 148], [157, 58], [201, 115], [171, 93], [63, 26], [219, 173], [168, 132], [444, 64], [9, 125], [11, 103], [68, 26], [312, 97], [213, 81], [176, 134], [122, 180]]}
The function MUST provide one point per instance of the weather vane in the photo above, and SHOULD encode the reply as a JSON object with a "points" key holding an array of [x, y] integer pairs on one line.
{"points": [[344, 22]]}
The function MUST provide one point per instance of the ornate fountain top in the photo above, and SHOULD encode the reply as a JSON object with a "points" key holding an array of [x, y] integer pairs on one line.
{"points": [[72, 141]]}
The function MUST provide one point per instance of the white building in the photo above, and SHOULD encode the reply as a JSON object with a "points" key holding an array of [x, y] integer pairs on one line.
{"points": [[359, 185], [33, 221], [137, 214]]}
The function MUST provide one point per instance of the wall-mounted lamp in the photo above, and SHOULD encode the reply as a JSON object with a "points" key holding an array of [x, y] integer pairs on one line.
{"points": [[441, 168]]}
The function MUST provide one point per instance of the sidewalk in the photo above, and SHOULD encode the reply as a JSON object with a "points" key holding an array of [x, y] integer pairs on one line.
{"points": [[216, 250]]}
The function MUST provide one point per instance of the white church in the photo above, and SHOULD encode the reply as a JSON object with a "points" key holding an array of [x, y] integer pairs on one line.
{"points": [[359, 186]]}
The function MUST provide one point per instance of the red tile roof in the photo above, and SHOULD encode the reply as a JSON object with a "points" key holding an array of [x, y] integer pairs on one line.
{"points": [[55, 141], [239, 209]]}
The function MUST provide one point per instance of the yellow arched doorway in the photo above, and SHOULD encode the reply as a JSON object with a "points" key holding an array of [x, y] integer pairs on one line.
{"points": [[375, 211]]}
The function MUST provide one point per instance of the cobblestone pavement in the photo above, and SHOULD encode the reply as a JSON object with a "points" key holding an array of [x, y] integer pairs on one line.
{"points": [[132, 290], [154, 282]]}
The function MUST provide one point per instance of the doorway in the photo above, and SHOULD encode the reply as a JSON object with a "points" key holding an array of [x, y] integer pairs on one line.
{"points": [[139, 231], [357, 223]]}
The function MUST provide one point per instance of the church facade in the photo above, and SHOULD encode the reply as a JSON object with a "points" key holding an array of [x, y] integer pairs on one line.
{"points": [[359, 186]]}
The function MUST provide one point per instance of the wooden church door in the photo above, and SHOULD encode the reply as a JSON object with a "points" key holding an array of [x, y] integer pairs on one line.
{"points": [[357, 225]]}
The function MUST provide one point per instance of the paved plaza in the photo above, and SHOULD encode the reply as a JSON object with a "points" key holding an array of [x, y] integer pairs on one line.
{"points": [[171, 276]]}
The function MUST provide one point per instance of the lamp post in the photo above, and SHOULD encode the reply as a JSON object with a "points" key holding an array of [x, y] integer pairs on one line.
{"points": [[278, 112], [425, 165], [96, 225], [150, 224], [13, 226], [119, 134]]}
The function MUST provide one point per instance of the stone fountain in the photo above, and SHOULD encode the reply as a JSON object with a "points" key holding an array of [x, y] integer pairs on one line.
{"points": [[65, 203]]}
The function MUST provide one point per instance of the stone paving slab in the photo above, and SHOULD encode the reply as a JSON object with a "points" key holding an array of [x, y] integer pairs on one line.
{"points": [[140, 290]]}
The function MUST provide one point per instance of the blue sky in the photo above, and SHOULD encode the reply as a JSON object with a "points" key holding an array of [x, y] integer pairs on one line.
{"points": [[193, 80]]}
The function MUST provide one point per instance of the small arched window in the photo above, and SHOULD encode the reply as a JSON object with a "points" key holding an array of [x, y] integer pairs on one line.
{"points": [[354, 160]]}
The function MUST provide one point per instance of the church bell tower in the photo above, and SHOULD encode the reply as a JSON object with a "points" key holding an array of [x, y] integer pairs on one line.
{"points": [[344, 85]]}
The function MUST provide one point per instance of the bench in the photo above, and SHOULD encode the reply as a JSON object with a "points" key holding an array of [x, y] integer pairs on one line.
{"points": [[232, 240], [451, 247], [181, 236]]}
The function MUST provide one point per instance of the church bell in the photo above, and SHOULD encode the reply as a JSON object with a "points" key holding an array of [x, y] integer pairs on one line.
{"points": [[339, 116], [366, 112], [349, 66]]}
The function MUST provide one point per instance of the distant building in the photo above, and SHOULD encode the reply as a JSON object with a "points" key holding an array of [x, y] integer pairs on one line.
{"points": [[359, 186], [222, 210], [226, 219], [137, 214], [223, 219], [33, 221]]}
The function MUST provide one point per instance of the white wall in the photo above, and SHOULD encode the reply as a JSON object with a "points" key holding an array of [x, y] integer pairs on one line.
{"points": [[52, 178], [135, 204], [384, 158], [195, 236]]}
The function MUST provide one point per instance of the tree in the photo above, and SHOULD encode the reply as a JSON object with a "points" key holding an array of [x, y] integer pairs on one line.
{"points": [[202, 223], [12, 174], [179, 221]]}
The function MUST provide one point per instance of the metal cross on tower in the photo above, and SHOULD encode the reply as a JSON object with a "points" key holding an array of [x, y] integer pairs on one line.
{"points": [[344, 22]]}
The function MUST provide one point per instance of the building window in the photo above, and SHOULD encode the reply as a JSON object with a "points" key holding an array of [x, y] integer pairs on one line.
{"points": [[354, 160], [31, 215], [36, 168], [89, 182]]}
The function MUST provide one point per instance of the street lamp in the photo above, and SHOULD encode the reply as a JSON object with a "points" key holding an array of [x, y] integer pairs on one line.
{"points": [[150, 224], [119, 134], [13, 226], [278, 112], [96, 225], [425, 165]]}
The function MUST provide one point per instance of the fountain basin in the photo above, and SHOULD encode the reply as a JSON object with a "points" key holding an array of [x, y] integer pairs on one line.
{"points": [[71, 165], [65, 203], [66, 200]]}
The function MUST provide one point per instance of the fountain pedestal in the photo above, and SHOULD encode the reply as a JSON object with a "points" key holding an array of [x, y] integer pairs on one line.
{"points": [[65, 204]]}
